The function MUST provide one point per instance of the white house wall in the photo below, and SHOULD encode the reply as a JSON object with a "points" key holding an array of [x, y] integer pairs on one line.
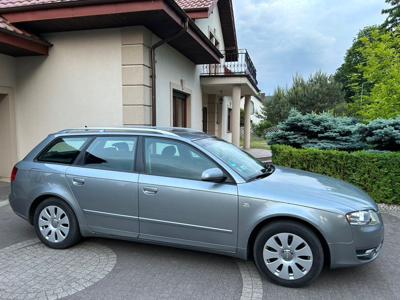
{"points": [[7, 71], [175, 71], [212, 22], [78, 84]]}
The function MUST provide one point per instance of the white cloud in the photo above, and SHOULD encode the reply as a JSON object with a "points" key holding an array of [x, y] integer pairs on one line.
{"points": [[285, 37]]}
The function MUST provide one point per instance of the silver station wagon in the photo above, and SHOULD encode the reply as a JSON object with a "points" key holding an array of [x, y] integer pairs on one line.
{"points": [[181, 187]]}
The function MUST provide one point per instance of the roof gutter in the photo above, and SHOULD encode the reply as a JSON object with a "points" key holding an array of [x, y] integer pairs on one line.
{"points": [[153, 48]]}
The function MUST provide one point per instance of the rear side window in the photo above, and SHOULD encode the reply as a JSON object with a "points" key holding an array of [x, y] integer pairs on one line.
{"points": [[111, 153], [63, 150]]}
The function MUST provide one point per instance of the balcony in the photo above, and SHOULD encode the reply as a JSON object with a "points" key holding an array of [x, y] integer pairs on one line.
{"points": [[237, 63]]}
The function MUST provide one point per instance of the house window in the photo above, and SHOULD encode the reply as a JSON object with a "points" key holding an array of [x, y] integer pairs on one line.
{"points": [[179, 109], [229, 119]]}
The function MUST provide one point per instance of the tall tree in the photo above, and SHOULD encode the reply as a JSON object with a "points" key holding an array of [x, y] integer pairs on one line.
{"points": [[381, 70], [319, 93], [276, 108], [348, 74], [393, 19]]}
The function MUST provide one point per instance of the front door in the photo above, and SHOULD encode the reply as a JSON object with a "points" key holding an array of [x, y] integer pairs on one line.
{"points": [[179, 109], [106, 186], [177, 207], [7, 136], [205, 120]]}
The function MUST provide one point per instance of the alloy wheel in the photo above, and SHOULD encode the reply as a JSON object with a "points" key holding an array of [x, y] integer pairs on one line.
{"points": [[54, 224], [287, 256]]}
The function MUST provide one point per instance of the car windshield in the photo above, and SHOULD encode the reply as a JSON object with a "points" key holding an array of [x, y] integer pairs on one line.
{"points": [[242, 163]]}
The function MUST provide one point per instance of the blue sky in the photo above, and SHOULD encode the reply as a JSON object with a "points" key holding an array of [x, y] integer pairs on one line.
{"points": [[285, 37]]}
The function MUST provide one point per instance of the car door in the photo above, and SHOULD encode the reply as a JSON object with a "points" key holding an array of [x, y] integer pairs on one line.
{"points": [[106, 186], [175, 206]]}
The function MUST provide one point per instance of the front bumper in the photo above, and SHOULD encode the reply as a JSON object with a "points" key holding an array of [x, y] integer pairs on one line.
{"points": [[366, 246]]}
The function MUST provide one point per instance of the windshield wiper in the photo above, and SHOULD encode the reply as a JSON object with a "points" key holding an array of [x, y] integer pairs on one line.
{"points": [[268, 170]]}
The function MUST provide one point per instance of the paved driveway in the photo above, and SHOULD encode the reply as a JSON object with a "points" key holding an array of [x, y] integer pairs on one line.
{"points": [[108, 269], [4, 190]]}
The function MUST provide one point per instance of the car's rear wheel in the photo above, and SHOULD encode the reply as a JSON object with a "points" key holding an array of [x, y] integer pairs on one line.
{"points": [[288, 253], [55, 224]]}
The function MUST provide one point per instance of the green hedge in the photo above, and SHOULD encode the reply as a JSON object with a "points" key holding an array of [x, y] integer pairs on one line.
{"points": [[376, 173]]}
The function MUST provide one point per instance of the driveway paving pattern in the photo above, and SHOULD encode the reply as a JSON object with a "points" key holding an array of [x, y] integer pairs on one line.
{"points": [[111, 269]]}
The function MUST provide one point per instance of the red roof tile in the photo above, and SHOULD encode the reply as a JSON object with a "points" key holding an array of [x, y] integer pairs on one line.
{"points": [[7, 26], [184, 4], [20, 3], [195, 4]]}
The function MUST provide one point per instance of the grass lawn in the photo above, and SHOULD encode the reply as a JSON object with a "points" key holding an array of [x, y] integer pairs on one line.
{"points": [[257, 143]]}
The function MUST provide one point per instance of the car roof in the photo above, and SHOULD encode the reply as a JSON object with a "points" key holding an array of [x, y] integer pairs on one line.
{"points": [[185, 133]]}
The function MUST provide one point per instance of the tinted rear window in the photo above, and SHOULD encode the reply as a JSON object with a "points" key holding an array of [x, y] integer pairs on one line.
{"points": [[63, 150]]}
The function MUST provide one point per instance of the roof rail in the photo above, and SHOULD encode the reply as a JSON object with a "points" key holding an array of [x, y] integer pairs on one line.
{"points": [[114, 129]]}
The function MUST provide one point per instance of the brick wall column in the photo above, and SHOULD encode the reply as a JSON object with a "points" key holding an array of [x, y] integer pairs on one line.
{"points": [[136, 71]]}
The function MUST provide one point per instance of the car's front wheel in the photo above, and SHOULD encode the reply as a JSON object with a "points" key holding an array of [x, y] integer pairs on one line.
{"points": [[55, 224], [288, 253]]}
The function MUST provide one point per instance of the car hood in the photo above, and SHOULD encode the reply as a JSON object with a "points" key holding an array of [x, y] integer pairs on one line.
{"points": [[310, 189]]}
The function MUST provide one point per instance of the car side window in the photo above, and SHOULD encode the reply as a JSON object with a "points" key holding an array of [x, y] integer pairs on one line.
{"points": [[111, 153], [63, 150], [175, 159]]}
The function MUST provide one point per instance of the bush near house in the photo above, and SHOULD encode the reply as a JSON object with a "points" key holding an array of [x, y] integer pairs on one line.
{"points": [[261, 128], [378, 173]]}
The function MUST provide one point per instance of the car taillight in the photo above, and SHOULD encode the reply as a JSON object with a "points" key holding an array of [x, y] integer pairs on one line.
{"points": [[14, 174]]}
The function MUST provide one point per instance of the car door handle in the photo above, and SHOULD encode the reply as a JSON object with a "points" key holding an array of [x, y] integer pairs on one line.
{"points": [[150, 190], [78, 181]]}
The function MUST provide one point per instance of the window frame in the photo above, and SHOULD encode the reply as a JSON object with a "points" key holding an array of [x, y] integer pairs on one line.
{"points": [[229, 180], [80, 160], [55, 141]]}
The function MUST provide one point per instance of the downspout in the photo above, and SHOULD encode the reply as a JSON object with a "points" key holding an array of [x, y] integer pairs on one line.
{"points": [[153, 68]]}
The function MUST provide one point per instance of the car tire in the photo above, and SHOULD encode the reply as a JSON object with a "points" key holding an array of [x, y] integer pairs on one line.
{"points": [[56, 224], [288, 253]]}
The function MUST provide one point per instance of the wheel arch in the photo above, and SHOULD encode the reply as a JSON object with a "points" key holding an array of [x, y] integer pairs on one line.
{"points": [[270, 220], [43, 197]]}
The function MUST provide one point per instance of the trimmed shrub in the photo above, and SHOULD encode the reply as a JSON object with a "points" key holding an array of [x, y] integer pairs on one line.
{"points": [[319, 131], [378, 173]]}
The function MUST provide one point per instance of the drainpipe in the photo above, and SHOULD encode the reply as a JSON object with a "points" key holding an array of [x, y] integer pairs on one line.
{"points": [[153, 68]]}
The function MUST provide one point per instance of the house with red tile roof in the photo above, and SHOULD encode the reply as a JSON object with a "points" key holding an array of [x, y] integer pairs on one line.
{"points": [[76, 63]]}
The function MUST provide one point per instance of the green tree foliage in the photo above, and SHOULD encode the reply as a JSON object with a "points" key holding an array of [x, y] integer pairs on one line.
{"points": [[376, 173], [393, 19], [321, 131], [277, 107], [348, 74], [260, 129], [381, 70], [325, 131], [318, 93], [382, 134]]}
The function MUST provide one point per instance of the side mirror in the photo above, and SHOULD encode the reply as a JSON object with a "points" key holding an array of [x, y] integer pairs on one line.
{"points": [[213, 175]]}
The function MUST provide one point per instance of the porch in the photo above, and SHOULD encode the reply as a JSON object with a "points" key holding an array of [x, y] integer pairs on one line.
{"points": [[223, 87]]}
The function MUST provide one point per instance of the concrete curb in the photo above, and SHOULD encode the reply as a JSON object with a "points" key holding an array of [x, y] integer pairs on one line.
{"points": [[252, 284], [4, 203]]}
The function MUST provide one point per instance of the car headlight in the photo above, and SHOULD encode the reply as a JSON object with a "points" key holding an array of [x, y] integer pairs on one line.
{"points": [[363, 217]]}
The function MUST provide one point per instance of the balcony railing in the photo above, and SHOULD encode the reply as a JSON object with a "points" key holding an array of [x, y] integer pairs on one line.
{"points": [[237, 63]]}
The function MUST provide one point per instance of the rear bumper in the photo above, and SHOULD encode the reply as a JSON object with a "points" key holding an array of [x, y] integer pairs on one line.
{"points": [[16, 206]]}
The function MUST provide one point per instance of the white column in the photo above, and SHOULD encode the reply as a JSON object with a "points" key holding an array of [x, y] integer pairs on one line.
{"points": [[224, 120], [247, 123], [236, 95]]}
